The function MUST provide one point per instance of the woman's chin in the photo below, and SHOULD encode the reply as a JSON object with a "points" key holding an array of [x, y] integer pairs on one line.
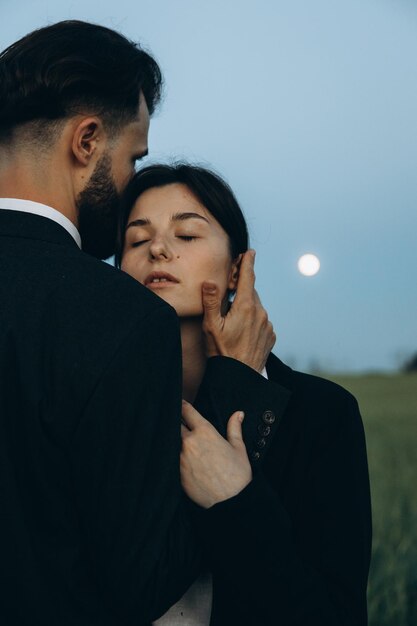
{"points": [[182, 309]]}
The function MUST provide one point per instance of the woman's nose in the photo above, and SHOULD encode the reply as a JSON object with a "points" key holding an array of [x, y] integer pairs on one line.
{"points": [[159, 250]]}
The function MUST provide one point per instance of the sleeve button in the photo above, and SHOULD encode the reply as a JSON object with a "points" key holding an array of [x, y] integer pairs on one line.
{"points": [[264, 430], [268, 417], [261, 443], [255, 456]]}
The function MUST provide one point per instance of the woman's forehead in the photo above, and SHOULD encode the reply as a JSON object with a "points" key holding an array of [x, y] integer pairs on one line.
{"points": [[169, 201]]}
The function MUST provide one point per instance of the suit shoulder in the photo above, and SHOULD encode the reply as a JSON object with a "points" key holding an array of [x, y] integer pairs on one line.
{"points": [[323, 404], [308, 387], [100, 278], [103, 306], [323, 389], [102, 287]]}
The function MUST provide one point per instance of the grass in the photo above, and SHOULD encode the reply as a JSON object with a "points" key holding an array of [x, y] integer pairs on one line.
{"points": [[389, 410]]}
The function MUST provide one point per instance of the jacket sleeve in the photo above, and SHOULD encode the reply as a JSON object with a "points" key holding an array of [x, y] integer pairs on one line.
{"points": [[125, 460], [316, 576], [229, 385]]}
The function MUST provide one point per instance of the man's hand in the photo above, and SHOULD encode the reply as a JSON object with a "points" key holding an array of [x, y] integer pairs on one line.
{"points": [[244, 333], [212, 468]]}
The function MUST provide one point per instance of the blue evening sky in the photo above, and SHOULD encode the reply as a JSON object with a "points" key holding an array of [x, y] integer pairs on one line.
{"points": [[309, 109]]}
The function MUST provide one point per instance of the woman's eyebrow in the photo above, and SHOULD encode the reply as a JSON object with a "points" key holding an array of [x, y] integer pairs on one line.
{"points": [[180, 217], [142, 221], [177, 217]]}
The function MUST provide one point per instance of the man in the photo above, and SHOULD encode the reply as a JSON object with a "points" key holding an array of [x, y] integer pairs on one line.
{"points": [[93, 529]]}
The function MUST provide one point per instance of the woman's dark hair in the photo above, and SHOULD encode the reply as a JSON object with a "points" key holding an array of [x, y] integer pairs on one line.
{"points": [[209, 188], [75, 67]]}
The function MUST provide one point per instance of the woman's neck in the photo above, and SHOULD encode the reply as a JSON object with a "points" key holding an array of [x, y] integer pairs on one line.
{"points": [[193, 356]]}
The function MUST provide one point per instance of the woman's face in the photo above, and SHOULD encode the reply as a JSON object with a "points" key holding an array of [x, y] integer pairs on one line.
{"points": [[173, 244]]}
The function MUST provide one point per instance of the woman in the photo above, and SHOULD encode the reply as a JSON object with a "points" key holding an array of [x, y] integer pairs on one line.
{"points": [[301, 551]]}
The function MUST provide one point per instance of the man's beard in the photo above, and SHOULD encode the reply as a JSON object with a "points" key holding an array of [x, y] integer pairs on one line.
{"points": [[98, 210]]}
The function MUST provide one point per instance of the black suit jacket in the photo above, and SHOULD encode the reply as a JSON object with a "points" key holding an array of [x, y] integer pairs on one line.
{"points": [[92, 526], [292, 549]]}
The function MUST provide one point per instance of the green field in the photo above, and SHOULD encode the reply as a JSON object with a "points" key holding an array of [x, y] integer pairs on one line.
{"points": [[389, 409]]}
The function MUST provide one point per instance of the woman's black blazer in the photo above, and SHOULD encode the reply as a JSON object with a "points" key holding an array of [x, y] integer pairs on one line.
{"points": [[299, 551]]}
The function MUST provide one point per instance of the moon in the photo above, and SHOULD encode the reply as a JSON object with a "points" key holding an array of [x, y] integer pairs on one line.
{"points": [[308, 265]]}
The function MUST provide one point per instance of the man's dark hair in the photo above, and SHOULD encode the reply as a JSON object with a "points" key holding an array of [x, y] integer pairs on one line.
{"points": [[75, 67], [207, 186]]}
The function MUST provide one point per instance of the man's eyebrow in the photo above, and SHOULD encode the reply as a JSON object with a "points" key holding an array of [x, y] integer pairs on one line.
{"points": [[180, 217]]}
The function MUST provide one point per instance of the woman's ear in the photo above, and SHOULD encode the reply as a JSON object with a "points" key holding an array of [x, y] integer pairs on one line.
{"points": [[234, 273]]}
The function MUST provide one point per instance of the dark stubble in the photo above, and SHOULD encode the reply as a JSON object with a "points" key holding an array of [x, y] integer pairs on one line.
{"points": [[98, 210]]}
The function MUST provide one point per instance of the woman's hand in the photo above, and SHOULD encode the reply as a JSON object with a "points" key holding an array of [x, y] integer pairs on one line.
{"points": [[212, 468], [245, 332]]}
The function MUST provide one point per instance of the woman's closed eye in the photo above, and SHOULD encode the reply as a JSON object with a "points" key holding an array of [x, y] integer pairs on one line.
{"points": [[187, 237]]}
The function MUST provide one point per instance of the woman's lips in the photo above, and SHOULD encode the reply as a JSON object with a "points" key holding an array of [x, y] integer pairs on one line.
{"points": [[160, 280], [161, 283]]}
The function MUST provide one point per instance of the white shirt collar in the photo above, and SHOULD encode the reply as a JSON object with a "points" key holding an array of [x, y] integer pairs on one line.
{"points": [[28, 206]]}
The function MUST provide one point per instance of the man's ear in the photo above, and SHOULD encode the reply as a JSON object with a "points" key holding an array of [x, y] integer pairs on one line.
{"points": [[88, 139], [234, 273]]}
